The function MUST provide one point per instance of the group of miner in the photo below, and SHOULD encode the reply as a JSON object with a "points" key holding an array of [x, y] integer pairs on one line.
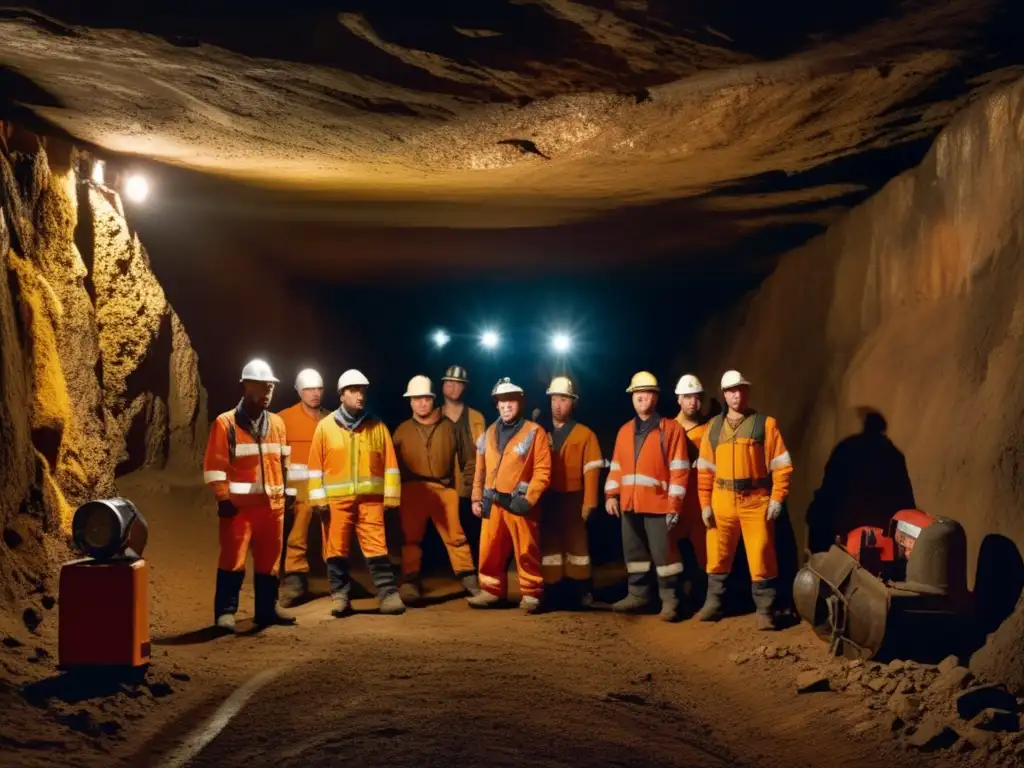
{"points": [[529, 491]]}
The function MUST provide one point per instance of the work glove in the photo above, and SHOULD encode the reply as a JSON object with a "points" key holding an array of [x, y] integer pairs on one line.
{"points": [[708, 516], [586, 513], [324, 513], [226, 509], [611, 506], [671, 519], [519, 505], [774, 509]]}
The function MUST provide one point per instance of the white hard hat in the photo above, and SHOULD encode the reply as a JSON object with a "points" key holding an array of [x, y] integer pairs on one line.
{"points": [[689, 385], [419, 386], [352, 378], [258, 370], [732, 379], [308, 379], [561, 385], [506, 387]]}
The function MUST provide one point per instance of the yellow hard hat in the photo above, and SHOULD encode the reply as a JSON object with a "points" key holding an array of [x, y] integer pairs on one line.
{"points": [[644, 380], [561, 385]]}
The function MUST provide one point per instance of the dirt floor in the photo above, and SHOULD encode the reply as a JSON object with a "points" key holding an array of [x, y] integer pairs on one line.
{"points": [[441, 685]]}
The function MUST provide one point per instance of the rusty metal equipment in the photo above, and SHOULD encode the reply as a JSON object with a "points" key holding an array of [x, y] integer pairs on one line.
{"points": [[864, 596]]}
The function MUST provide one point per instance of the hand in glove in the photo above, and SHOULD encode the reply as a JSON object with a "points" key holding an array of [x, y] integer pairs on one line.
{"points": [[226, 509], [774, 509], [671, 519], [519, 505], [709, 517], [611, 506], [586, 513]]}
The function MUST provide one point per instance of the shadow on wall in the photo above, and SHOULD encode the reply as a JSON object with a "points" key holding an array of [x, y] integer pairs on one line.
{"points": [[865, 483], [998, 584]]}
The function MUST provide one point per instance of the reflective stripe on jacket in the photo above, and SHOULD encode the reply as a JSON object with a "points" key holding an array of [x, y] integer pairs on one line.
{"points": [[243, 468], [343, 464], [523, 468], [654, 483], [577, 465], [300, 427], [743, 464]]}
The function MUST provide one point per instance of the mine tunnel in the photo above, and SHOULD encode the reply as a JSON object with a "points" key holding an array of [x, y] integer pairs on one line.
{"points": [[685, 336]]}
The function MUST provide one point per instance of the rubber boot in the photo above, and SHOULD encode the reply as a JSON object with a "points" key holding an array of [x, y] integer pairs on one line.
{"points": [[669, 602], [712, 610], [267, 612], [555, 596], [471, 584], [225, 599], [529, 604], [391, 604], [631, 603], [340, 584], [293, 589], [410, 591], [583, 597], [340, 604], [763, 593], [483, 600]]}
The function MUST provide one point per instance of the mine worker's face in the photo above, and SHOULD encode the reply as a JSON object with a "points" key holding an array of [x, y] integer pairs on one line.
{"points": [[312, 396], [453, 390], [353, 398], [644, 402], [258, 393], [561, 407], [689, 404], [510, 408], [422, 406], [737, 398]]}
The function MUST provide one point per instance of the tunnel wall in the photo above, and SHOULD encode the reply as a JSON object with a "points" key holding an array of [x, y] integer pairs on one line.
{"points": [[911, 307], [98, 374]]}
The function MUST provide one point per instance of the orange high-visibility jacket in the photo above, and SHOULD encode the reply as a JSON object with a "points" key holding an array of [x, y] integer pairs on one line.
{"points": [[744, 464], [655, 482], [577, 465], [343, 464], [523, 467], [300, 428], [243, 468], [694, 436], [474, 421]]}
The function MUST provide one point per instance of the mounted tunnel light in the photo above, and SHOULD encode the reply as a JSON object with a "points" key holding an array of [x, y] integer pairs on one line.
{"points": [[136, 188], [561, 342], [489, 339], [97, 172], [103, 598], [440, 338]]}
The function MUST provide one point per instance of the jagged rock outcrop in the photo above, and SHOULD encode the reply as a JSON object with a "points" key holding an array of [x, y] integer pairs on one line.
{"points": [[99, 375]]}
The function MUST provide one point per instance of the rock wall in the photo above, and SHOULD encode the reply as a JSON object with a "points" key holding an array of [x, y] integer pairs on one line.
{"points": [[892, 350], [98, 374]]}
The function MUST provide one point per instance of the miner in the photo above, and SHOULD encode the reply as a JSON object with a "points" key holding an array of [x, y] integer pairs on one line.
{"points": [[353, 478], [576, 465], [246, 464], [471, 424], [690, 531], [646, 487], [513, 469], [743, 478], [430, 449]]}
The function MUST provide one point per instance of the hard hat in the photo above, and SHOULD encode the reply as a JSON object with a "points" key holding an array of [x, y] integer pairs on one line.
{"points": [[561, 385], [732, 379], [352, 378], [643, 381], [456, 373], [506, 387], [258, 370], [308, 379], [689, 385], [419, 386]]}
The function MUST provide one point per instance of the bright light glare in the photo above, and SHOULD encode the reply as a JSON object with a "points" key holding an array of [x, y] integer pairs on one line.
{"points": [[440, 338], [97, 172], [137, 188], [561, 342], [489, 339]]}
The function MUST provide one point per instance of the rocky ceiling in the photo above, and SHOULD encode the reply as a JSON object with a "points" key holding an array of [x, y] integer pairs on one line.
{"points": [[658, 126]]}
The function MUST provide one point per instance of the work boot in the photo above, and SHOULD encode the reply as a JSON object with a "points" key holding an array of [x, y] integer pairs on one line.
{"points": [[763, 593], [226, 621], [669, 604], [529, 604], [712, 610], [339, 604], [293, 589], [391, 604], [267, 613], [483, 600], [410, 591], [631, 603], [225, 599], [471, 584]]}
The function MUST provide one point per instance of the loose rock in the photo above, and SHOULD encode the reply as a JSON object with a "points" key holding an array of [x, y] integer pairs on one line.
{"points": [[981, 739], [738, 658], [896, 665], [810, 682], [995, 720], [932, 735], [979, 698], [953, 680], [906, 707], [878, 684], [947, 664]]}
